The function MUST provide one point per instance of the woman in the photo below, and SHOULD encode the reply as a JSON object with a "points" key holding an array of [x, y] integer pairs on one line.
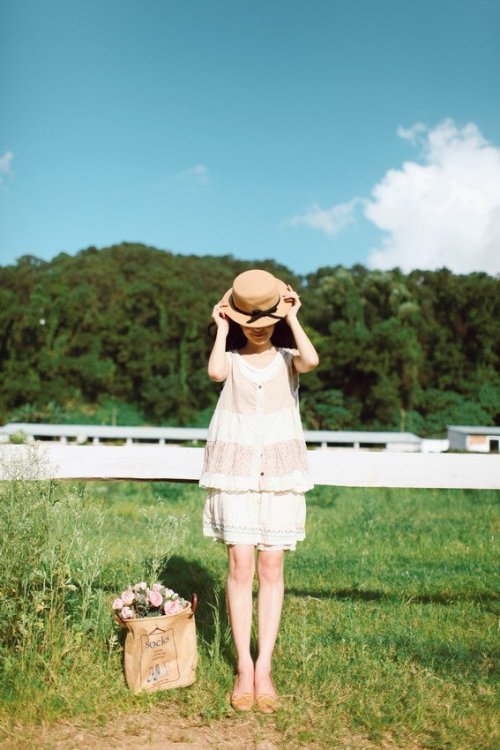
{"points": [[255, 465]]}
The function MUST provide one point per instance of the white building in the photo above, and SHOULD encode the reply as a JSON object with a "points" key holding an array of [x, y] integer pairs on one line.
{"points": [[477, 439]]}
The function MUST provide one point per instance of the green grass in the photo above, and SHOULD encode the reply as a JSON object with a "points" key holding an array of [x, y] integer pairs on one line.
{"points": [[388, 633]]}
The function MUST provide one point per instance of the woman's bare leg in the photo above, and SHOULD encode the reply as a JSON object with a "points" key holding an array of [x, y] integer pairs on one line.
{"points": [[241, 559], [270, 567]]}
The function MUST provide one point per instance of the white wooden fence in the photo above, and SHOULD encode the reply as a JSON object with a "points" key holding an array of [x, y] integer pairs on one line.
{"points": [[95, 434], [329, 466]]}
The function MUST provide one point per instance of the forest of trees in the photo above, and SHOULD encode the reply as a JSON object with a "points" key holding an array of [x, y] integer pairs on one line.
{"points": [[120, 334]]}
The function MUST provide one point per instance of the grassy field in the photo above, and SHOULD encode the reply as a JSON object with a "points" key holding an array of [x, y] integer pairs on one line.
{"points": [[389, 624]]}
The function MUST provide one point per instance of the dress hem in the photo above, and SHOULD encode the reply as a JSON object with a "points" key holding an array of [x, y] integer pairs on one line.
{"points": [[291, 484], [289, 546]]}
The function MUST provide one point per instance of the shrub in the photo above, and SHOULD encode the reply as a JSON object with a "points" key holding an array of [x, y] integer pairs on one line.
{"points": [[18, 438], [52, 549]]}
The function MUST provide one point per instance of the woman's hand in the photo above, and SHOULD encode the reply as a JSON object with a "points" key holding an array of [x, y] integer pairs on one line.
{"points": [[306, 356], [219, 316], [217, 363], [293, 297]]}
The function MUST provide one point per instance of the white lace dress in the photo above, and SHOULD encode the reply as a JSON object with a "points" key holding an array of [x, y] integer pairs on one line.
{"points": [[255, 467]]}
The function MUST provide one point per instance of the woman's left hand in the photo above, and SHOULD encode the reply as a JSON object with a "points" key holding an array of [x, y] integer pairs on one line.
{"points": [[293, 297]]}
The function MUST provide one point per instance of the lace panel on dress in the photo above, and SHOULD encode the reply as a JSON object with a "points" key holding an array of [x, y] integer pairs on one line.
{"points": [[283, 458], [228, 458]]}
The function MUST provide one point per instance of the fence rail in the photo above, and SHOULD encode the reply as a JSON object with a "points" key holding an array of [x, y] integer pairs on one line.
{"points": [[95, 434], [342, 466]]}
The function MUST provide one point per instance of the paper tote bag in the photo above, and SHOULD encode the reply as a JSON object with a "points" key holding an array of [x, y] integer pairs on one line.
{"points": [[161, 652]]}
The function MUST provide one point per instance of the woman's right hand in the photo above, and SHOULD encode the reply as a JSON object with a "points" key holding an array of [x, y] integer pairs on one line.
{"points": [[219, 316], [217, 363]]}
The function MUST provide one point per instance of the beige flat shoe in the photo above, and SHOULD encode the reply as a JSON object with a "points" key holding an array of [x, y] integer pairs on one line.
{"points": [[243, 702], [267, 704]]}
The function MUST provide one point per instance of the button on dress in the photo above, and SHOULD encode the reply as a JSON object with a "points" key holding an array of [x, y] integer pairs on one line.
{"points": [[255, 465]]}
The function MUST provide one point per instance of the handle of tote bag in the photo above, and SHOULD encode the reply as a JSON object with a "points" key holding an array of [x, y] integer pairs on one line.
{"points": [[119, 620], [194, 602]]}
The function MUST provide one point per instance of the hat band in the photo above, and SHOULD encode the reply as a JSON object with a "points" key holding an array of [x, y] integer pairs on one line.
{"points": [[257, 314]]}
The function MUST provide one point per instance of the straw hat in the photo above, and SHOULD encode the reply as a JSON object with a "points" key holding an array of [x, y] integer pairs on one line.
{"points": [[256, 299]]}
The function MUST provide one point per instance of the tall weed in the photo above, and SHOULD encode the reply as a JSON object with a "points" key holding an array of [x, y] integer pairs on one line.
{"points": [[52, 550], [51, 553], [164, 534]]}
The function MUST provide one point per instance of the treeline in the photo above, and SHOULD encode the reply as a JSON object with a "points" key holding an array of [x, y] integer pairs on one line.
{"points": [[120, 334]]}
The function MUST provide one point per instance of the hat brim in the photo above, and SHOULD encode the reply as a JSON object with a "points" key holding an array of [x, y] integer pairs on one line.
{"points": [[266, 320]]}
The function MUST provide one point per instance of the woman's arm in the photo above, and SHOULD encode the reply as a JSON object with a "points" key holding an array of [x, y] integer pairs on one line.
{"points": [[306, 358], [217, 363]]}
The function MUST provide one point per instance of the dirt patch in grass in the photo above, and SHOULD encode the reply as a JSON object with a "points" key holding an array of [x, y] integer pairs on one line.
{"points": [[159, 730], [155, 730]]}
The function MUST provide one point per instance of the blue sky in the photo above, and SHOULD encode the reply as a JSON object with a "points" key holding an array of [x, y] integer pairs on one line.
{"points": [[313, 132]]}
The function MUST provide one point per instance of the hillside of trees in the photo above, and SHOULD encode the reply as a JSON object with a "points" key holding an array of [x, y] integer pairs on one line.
{"points": [[120, 334]]}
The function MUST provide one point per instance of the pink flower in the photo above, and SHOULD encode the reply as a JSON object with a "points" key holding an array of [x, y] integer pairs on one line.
{"points": [[155, 598], [140, 586], [172, 607], [126, 613], [156, 587], [117, 604], [127, 597]]}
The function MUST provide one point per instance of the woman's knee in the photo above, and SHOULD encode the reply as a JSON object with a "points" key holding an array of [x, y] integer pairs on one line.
{"points": [[270, 566], [241, 564]]}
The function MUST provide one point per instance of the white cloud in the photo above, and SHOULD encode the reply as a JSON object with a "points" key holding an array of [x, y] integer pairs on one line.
{"points": [[330, 220], [5, 161], [413, 134], [198, 174], [444, 211], [441, 209]]}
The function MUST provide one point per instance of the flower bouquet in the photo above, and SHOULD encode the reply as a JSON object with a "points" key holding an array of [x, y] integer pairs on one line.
{"points": [[141, 601], [160, 647]]}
